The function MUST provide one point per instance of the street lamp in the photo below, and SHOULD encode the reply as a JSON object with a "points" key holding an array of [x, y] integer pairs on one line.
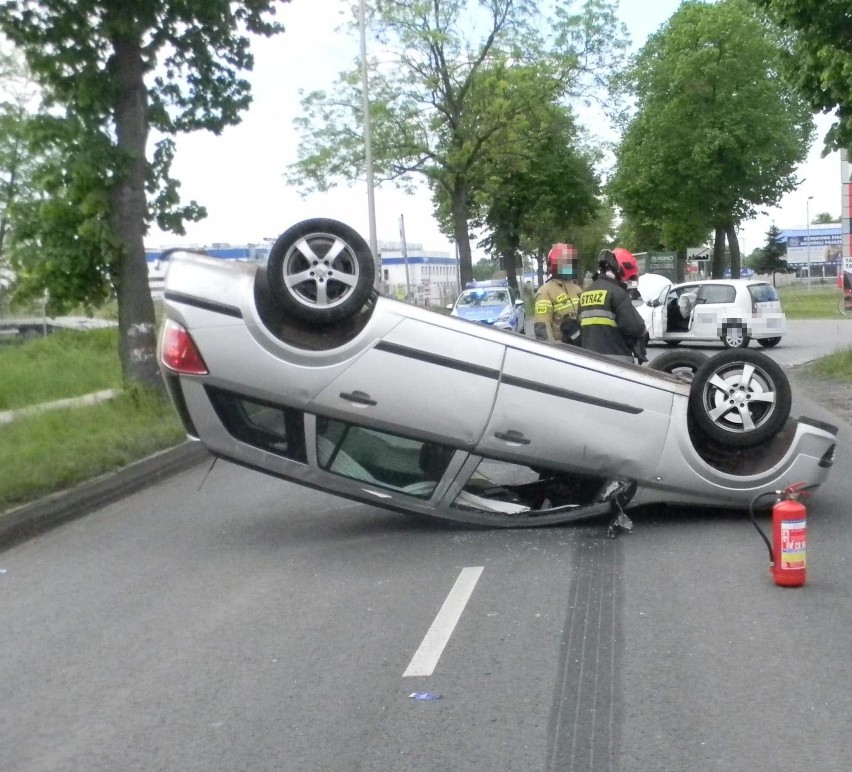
{"points": [[808, 236]]}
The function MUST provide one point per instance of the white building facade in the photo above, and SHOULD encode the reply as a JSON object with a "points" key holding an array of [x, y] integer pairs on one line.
{"points": [[424, 277]]}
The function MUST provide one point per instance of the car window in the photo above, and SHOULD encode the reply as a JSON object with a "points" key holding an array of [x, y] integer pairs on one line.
{"points": [[386, 460], [762, 293], [717, 293], [274, 428], [484, 298], [502, 486]]}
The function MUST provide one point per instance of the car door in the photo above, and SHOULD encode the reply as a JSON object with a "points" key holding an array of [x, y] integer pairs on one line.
{"points": [[716, 304], [424, 380], [574, 411]]}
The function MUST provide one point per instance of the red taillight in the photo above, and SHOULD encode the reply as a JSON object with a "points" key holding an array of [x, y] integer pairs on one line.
{"points": [[179, 352]]}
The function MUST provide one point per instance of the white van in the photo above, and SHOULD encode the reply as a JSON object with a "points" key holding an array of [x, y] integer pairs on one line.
{"points": [[734, 311]]}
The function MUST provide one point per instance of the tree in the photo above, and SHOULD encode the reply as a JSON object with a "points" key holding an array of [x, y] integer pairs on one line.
{"points": [[817, 58], [771, 258], [824, 218], [485, 268], [716, 134], [537, 184], [111, 71], [432, 110]]}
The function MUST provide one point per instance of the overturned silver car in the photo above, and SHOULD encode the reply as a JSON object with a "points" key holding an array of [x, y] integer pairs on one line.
{"points": [[298, 369]]}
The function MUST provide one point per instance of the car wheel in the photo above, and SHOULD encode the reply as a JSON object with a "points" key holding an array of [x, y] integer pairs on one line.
{"points": [[684, 364], [734, 335], [768, 342], [740, 398], [321, 271]]}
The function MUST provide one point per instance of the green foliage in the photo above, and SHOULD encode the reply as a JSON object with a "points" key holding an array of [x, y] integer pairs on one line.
{"points": [[818, 58], [446, 90], [111, 71], [824, 218], [771, 256], [538, 183], [717, 134], [485, 268]]}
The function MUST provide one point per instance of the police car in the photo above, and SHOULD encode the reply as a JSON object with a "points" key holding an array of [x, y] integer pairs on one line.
{"points": [[492, 302]]}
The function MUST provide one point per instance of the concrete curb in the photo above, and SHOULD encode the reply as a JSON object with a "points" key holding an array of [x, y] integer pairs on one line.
{"points": [[28, 520]]}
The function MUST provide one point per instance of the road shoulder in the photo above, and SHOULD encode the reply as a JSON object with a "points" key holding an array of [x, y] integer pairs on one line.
{"points": [[28, 520]]}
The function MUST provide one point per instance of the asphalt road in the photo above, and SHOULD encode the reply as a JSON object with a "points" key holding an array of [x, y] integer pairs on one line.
{"points": [[234, 622]]}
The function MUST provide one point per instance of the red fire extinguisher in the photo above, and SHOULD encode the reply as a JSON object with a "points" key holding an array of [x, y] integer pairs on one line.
{"points": [[789, 531], [787, 549]]}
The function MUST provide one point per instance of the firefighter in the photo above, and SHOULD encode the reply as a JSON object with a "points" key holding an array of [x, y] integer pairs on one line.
{"points": [[556, 301], [609, 322]]}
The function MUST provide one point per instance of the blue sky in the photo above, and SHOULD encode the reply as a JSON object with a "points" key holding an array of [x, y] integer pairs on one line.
{"points": [[238, 175]]}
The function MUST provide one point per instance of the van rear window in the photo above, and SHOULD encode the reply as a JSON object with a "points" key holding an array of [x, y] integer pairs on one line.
{"points": [[763, 293]]}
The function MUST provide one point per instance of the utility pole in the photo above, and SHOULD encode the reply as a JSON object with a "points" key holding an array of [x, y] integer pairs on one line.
{"points": [[368, 143]]}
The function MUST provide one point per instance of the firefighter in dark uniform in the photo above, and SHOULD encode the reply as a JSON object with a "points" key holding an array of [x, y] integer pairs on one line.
{"points": [[609, 322], [557, 300]]}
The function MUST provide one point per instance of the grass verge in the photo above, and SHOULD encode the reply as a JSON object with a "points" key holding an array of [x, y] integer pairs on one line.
{"points": [[818, 302], [54, 450], [68, 363]]}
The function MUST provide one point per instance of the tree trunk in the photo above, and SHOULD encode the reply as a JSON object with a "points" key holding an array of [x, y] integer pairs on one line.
{"points": [[136, 320], [718, 271], [461, 234], [734, 245]]}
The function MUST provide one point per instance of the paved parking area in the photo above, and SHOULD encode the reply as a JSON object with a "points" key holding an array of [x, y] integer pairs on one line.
{"points": [[806, 340]]}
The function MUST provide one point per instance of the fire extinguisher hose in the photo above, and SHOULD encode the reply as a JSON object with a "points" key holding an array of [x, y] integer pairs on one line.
{"points": [[754, 522], [757, 526]]}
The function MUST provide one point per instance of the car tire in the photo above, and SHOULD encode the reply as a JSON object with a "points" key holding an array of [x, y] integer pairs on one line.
{"points": [[769, 342], [740, 398], [734, 335], [321, 271], [684, 364]]}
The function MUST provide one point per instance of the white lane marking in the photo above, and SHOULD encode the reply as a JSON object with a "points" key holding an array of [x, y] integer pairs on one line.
{"points": [[426, 657]]}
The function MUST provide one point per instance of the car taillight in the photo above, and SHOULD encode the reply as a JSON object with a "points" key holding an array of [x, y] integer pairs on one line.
{"points": [[179, 352]]}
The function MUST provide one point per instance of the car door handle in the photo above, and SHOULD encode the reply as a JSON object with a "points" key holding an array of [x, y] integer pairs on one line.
{"points": [[513, 437], [358, 398]]}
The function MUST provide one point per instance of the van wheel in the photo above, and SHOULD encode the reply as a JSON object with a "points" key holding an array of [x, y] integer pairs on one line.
{"points": [[768, 342], [735, 335]]}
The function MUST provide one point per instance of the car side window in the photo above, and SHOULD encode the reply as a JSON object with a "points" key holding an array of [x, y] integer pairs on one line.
{"points": [[717, 293], [402, 464], [270, 427], [511, 488]]}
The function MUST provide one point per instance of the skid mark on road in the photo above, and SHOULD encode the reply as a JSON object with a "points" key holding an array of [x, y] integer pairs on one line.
{"points": [[584, 719]]}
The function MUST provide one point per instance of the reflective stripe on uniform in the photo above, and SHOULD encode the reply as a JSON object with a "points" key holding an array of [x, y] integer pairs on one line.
{"points": [[586, 322], [543, 307], [564, 305]]}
